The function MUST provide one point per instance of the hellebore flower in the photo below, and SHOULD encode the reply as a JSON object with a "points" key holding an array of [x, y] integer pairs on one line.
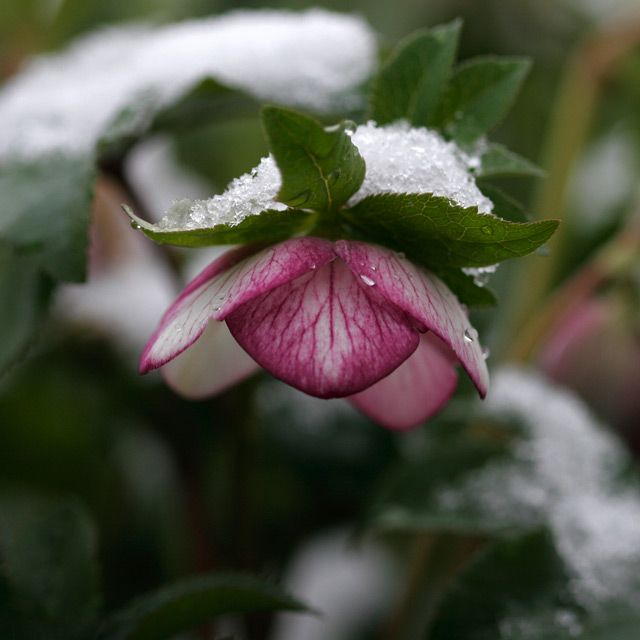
{"points": [[333, 319], [602, 329]]}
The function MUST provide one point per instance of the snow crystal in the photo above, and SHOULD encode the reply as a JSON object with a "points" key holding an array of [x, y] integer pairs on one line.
{"points": [[481, 275], [402, 159], [565, 475], [399, 159], [65, 101], [248, 195]]}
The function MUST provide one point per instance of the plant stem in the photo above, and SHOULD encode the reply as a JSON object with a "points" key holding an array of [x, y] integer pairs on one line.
{"points": [[434, 562], [577, 103], [617, 256]]}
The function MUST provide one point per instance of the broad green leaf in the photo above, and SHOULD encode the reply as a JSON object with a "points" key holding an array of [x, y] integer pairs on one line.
{"points": [[437, 233], [49, 565], [44, 212], [24, 292], [409, 85], [321, 168], [504, 206], [518, 589], [479, 95], [466, 289], [188, 604], [497, 162], [269, 226]]}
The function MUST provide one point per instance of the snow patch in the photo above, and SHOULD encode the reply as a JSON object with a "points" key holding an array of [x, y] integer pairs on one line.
{"points": [[64, 102]]}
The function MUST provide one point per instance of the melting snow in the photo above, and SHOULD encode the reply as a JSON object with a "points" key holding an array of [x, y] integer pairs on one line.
{"points": [[64, 102], [399, 159], [565, 475]]}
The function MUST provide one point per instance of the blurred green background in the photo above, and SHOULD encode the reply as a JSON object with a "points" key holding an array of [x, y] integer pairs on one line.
{"points": [[174, 486]]}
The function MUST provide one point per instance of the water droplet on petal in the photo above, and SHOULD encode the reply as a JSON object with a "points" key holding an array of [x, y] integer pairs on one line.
{"points": [[470, 335], [135, 225], [402, 255], [313, 266], [373, 268], [486, 352], [367, 280]]}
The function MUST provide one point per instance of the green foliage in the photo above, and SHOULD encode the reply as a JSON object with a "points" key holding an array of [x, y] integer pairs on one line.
{"points": [[270, 226], [479, 95], [410, 84], [503, 204], [497, 162], [465, 288], [179, 607], [433, 231], [321, 168], [515, 581], [24, 292], [207, 101], [412, 497], [49, 569], [44, 212]]}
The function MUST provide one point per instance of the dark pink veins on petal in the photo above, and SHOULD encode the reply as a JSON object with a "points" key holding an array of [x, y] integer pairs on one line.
{"points": [[324, 333]]}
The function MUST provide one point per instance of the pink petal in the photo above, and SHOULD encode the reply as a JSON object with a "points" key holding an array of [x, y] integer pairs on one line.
{"points": [[324, 334], [214, 362], [225, 284], [415, 391], [424, 297]]}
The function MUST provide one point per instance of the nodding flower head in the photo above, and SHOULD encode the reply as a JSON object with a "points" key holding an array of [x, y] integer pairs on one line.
{"points": [[333, 319]]}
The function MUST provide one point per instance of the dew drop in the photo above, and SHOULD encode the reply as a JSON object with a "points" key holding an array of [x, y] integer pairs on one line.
{"points": [[402, 255], [470, 335], [487, 230], [314, 266], [136, 226], [486, 352], [349, 127], [543, 251], [367, 280], [373, 268]]}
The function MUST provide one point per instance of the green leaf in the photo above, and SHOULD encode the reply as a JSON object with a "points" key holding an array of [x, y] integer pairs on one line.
{"points": [[321, 168], [480, 94], [497, 162], [410, 83], [44, 212], [25, 294], [188, 604], [514, 590], [207, 101], [48, 563], [504, 205], [467, 291], [437, 233], [269, 226]]}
